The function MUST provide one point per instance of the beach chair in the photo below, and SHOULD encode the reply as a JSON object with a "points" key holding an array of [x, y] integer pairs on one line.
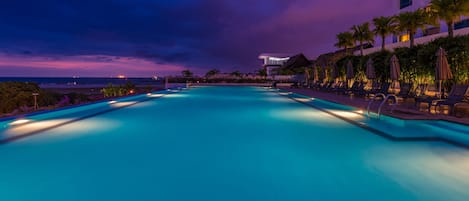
{"points": [[405, 91], [358, 90], [328, 86], [383, 90], [346, 90], [458, 94], [421, 95], [338, 86]]}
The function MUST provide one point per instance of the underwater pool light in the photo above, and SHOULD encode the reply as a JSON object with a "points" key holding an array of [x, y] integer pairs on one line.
{"points": [[19, 121]]}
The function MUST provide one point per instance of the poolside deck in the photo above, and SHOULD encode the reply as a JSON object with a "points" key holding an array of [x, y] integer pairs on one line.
{"points": [[405, 110]]}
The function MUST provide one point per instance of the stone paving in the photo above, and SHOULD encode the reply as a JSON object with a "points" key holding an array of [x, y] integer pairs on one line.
{"points": [[405, 109]]}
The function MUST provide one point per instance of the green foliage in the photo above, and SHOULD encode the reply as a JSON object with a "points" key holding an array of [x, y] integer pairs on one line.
{"points": [[345, 40], [449, 11], [417, 63], [362, 33], [236, 74], [122, 90], [18, 96], [357, 66], [211, 73], [381, 63], [384, 26], [262, 72], [187, 74], [14, 95], [289, 71], [410, 22]]}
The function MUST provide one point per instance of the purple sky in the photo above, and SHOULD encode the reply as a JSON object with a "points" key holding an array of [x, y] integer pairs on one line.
{"points": [[145, 37]]}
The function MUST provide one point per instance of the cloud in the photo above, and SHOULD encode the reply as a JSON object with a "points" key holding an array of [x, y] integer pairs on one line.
{"points": [[83, 65], [195, 34]]}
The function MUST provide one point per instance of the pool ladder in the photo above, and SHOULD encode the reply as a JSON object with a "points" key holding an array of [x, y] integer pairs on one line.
{"points": [[384, 98]]}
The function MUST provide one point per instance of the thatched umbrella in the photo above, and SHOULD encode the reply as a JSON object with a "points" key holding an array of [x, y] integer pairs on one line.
{"points": [[395, 71], [370, 70], [350, 75], [442, 70]]}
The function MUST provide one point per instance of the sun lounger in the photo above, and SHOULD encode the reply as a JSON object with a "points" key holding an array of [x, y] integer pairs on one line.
{"points": [[457, 95]]}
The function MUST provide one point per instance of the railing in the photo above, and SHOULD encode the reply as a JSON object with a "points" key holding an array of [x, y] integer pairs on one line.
{"points": [[420, 40], [371, 102], [384, 100]]}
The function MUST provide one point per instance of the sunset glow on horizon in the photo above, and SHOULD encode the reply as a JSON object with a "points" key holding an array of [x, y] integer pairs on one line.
{"points": [[84, 66], [146, 37]]}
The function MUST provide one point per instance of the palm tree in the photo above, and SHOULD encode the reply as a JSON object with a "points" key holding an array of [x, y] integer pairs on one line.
{"points": [[262, 72], [211, 73], [345, 40], [187, 73], [362, 33], [449, 11], [384, 26], [235, 74], [410, 22]]}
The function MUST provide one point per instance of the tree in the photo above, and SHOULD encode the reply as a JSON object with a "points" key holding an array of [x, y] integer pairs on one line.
{"points": [[362, 33], [211, 73], [187, 73], [410, 22], [235, 74], [262, 72], [449, 11], [345, 40], [384, 26]]}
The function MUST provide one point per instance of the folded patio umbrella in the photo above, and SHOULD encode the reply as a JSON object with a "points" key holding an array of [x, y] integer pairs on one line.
{"points": [[350, 75], [321, 73], [395, 71], [315, 74], [334, 72], [442, 70], [370, 70]]}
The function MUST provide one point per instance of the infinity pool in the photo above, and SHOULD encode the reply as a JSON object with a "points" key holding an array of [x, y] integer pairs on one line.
{"points": [[225, 143]]}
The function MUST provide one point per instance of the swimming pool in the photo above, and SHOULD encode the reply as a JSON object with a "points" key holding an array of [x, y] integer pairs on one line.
{"points": [[223, 143]]}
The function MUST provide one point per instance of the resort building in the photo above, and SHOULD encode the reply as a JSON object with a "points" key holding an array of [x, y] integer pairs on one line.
{"points": [[426, 35], [273, 61]]}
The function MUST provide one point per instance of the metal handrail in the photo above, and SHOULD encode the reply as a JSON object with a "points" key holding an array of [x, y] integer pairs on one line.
{"points": [[384, 101], [371, 101]]}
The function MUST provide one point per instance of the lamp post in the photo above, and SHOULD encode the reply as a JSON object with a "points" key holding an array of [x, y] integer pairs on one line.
{"points": [[35, 100]]}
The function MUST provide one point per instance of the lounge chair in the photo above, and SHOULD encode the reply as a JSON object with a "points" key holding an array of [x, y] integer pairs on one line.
{"points": [[358, 90], [327, 86], [383, 90], [338, 86], [405, 91], [346, 90], [457, 95], [421, 95]]}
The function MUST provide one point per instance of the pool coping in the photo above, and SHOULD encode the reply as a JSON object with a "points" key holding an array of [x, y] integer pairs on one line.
{"points": [[423, 115], [376, 131], [27, 134]]}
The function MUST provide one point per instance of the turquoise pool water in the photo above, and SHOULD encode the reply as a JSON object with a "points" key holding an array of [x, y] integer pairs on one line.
{"points": [[223, 143]]}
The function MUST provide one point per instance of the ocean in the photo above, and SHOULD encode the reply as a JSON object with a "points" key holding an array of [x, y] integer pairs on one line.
{"points": [[83, 80]]}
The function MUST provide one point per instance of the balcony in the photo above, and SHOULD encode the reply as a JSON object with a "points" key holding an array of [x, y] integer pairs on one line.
{"points": [[420, 40]]}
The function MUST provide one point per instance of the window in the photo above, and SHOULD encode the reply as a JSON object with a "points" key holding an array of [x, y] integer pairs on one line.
{"points": [[405, 3], [403, 38]]}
